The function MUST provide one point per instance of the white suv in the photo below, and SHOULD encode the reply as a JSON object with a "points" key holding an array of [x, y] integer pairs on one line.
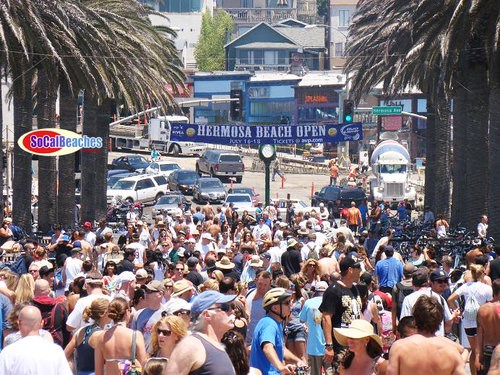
{"points": [[143, 188]]}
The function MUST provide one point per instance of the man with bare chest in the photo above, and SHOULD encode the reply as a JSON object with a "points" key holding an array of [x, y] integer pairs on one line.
{"points": [[488, 330], [426, 353]]}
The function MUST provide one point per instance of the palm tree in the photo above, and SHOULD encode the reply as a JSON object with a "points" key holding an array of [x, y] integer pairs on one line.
{"points": [[440, 47]]}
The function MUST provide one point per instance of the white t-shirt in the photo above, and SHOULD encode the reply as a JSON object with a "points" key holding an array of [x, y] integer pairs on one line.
{"points": [[411, 299], [75, 319], [139, 252], [481, 291], [32, 355], [72, 267]]}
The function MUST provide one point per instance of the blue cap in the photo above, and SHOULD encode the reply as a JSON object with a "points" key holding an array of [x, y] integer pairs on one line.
{"points": [[77, 244], [65, 237], [206, 299]]}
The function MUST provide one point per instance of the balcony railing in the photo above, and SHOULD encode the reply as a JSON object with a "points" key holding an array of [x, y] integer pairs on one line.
{"points": [[254, 16], [262, 67]]}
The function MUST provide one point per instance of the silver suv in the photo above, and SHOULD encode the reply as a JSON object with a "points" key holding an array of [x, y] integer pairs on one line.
{"points": [[217, 163]]}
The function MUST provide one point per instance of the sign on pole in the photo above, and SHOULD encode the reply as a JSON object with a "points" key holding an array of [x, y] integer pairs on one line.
{"points": [[393, 110]]}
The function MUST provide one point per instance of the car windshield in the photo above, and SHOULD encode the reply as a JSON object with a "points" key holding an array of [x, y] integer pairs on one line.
{"points": [[137, 160], [124, 185], [188, 177], [169, 167], [168, 199], [243, 191], [238, 199], [210, 184], [112, 180]]}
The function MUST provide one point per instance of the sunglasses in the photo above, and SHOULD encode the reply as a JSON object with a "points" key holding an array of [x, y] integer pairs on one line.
{"points": [[182, 312], [179, 269], [164, 332], [33, 271], [226, 307], [169, 286]]}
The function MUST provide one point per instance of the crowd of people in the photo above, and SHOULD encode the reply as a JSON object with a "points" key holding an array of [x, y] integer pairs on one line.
{"points": [[209, 292]]}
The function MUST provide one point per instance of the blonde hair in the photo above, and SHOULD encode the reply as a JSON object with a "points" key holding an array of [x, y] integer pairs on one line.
{"points": [[209, 284], [177, 325], [97, 309], [218, 275], [25, 290], [11, 279], [476, 271], [309, 261]]}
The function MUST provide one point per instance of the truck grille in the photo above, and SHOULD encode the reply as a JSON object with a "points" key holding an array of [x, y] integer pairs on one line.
{"points": [[394, 189]]}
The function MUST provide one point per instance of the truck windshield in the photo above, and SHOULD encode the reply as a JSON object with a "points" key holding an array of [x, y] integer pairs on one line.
{"points": [[393, 168]]}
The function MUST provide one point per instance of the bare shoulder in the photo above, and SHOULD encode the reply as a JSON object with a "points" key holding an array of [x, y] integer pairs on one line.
{"points": [[96, 338], [188, 355]]}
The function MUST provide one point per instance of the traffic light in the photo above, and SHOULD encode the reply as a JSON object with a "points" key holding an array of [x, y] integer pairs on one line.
{"points": [[236, 105], [348, 111]]}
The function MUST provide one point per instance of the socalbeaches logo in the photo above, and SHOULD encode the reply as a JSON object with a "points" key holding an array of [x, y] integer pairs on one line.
{"points": [[56, 142]]}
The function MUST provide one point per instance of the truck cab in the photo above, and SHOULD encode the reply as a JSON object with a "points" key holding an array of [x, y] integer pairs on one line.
{"points": [[390, 164]]}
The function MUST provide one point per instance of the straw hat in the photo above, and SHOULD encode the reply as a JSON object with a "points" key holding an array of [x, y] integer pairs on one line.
{"points": [[181, 287], [255, 261], [357, 330], [225, 264]]}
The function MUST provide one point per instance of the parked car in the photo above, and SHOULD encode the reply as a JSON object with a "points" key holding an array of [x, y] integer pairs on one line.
{"points": [[299, 206], [209, 189], [182, 180], [142, 188], [162, 167], [246, 190], [346, 194], [218, 163], [130, 162], [241, 202], [115, 177], [170, 202]]}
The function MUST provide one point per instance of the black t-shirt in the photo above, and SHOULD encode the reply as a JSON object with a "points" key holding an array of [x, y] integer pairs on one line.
{"points": [[495, 269], [125, 265], [195, 278], [343, 303], [290, 260]]}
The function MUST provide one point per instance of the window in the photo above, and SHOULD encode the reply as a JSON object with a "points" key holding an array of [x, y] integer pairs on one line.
{"points": [[160, 180], [270, 57], [344, 17], [265, 108], [339, 49], [244, 57], [258, 57]]}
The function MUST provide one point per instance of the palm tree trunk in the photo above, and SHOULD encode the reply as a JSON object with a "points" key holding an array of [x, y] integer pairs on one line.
{"points": [[494, 160], [23, 120], [105, 112], [442, 184], [476, 147], [66, 173], [47, 165], [1, 151], [431, 163], [459, 156], [89, 166]]}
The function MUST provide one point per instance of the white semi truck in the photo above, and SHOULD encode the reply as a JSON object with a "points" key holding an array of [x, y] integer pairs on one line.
{"points": [[128, 134], [390, 162]]}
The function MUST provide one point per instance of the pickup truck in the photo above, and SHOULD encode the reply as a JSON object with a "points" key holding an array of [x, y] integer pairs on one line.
{"points": [[331, 193], [218, 163]]}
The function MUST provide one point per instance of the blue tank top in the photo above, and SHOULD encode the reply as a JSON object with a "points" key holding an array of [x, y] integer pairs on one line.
{"points": [[216, 361], [85, 353]]}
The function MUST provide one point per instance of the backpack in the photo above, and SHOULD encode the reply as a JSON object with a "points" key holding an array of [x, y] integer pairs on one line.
{"points": [[19, 266], [53, 321], [471, 307], [312, 254], [402, 292]]}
